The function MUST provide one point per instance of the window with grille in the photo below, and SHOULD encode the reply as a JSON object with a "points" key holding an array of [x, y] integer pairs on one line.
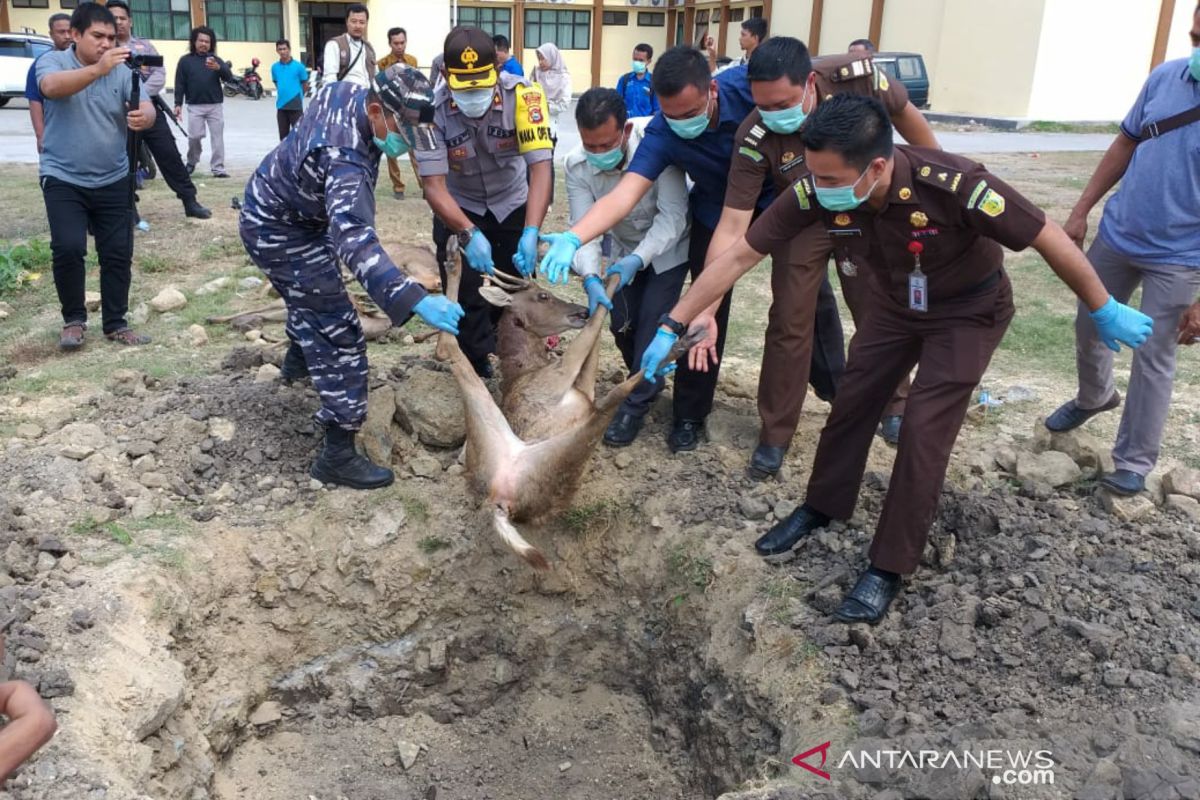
{"points": [[160, 19], [244, 21], [31, 3], [68, 4], [494, 21], [737, 14], [652, 19], [569, 30], [616, 17], [756, 11]]}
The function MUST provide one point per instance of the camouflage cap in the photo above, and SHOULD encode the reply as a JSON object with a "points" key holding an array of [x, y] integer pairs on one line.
{"points": [[470, 59], [405, 92]]}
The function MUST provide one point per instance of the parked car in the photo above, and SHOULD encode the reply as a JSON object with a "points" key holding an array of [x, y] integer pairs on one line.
{"points": [[909, 69], [17, 52]]}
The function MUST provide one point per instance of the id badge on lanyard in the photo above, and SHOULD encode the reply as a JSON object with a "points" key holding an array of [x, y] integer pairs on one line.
{"points": [[918, 289]]}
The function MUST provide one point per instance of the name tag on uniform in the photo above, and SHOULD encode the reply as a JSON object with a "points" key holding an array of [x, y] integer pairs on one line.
{"points": [[918, 293]]}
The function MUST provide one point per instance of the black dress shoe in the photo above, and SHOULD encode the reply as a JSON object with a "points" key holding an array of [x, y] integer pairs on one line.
{"points": [[766, 461], [194, 209], [889, 428], [685, 434], [1070, 416], [776, 544], [1123, 482], [868, 601], [622, 430]]}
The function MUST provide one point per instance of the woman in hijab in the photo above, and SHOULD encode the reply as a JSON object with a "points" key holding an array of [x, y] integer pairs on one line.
{"points": [[555, 81]]}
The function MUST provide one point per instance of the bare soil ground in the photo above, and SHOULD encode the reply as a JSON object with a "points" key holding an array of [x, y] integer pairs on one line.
{"points": [[210, 624]]}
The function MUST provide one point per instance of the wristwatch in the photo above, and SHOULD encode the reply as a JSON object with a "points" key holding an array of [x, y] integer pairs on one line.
{"points": [[464, 236], [677, 328]]}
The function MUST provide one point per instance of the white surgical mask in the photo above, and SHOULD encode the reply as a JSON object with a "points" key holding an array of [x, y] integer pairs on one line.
{"points": [[473, 102]]}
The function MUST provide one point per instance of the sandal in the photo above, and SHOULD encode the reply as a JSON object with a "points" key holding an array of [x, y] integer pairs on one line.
{"points": [[127, 336], [71, 337]]}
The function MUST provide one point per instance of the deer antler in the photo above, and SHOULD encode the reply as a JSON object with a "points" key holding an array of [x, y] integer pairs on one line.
{"points": [[508, 282]]}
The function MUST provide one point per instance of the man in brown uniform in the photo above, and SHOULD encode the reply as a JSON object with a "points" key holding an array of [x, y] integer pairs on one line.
{"points": [[928, 226], [787, 86]]}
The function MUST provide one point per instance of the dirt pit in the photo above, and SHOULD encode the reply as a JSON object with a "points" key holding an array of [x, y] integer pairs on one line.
{"points": [[211, 625]]}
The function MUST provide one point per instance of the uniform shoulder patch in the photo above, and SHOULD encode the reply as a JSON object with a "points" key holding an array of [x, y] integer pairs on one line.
{"points": [[804, 193], [755, 135], [881, 81], [751, 153], [937, 175], [991, 203], [533, 125], [859, 68]]}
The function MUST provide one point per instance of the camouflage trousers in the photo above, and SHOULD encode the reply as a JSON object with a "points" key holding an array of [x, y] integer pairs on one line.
{"points": [[302, 266]]}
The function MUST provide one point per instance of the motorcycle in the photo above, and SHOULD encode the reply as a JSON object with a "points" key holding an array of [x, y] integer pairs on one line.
{"points": [[249, 84]]}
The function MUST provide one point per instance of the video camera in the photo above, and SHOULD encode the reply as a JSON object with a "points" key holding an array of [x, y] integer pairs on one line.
{"points": [[139, 60]]}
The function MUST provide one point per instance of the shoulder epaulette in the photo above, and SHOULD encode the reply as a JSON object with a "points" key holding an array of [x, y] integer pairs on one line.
{"points": [[939, 176], [755, 135], [804, 193], [855, 69]]}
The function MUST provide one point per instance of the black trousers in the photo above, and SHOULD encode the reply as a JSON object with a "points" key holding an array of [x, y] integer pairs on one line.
{"points": [[634, 322], [694, 390], [287, 119], [72, 210], [477, 329], [162, 146], [829, 348]]}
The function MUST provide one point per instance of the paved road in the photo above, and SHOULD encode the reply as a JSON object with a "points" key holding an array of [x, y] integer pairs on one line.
{"points": [[250, 133]]}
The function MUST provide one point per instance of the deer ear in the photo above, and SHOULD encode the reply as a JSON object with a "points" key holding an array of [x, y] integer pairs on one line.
{"points": [[495, 295]]}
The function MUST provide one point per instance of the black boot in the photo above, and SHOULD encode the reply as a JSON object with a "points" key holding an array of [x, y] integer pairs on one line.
{"points": [[192, 208], [294, 367], [339, 463]]}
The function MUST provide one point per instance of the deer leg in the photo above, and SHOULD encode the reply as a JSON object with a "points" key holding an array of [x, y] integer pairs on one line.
{"points": [[278, 304], [582, 356]]}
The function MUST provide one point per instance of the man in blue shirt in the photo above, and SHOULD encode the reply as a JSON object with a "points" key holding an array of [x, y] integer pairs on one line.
{"points": [[504, 57], [1149, 235], [60, 34], [694, 131], [291, 84], [636, 88]]}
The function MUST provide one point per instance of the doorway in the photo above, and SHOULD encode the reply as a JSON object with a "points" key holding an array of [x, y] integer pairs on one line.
{"points": [[319, 22]]}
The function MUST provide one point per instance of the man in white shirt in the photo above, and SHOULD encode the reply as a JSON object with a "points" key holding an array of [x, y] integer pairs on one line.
{"points": [[649, 247], [350, 57]]}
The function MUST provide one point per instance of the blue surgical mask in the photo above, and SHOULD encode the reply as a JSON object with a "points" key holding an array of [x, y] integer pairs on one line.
{"points": [[691, 127], [393, 146], [1194, 63], [787, 120], [607, 160], [639, 67], [843, 198], [473, 102]]}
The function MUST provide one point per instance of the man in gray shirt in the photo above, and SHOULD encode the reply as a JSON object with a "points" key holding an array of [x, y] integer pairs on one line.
{"points": [[87, 90]]}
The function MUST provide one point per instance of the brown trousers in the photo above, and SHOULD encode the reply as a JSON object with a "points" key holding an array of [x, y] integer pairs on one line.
{"points": [[796, 274], [397, 178], [953, 343]]}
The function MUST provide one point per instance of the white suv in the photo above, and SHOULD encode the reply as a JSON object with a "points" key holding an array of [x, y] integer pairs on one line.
{"points": [[17, 52]]}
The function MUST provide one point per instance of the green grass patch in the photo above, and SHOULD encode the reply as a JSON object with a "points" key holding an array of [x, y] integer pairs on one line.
{"points": [[118, 533], [21, 263], [684, 566], [152, 263], [431, 544], [1049, 126], [590, 517]]}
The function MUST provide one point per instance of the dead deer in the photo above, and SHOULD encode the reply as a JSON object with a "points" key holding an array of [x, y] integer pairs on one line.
{"points": [[527, 458]]}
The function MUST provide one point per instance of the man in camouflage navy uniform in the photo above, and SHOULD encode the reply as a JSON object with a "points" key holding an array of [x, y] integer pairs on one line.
{"points": [[312, 202]]}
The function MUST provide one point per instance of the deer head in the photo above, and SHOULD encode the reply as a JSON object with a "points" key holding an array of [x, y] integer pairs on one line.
{"points": [[532, 308]]}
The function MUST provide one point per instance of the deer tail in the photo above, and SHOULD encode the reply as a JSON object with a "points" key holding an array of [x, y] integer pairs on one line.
{"points": [[512, 537]]}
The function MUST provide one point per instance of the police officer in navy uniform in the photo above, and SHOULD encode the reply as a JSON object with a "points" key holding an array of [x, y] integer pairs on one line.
{"points": [[927, 227], [487, 176], [311, 203]]}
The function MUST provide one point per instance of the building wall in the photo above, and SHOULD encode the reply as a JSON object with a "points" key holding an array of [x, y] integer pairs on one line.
{"points": [[842, 22], [987, 57], [914, 26], [792, 18], [1180, 44], [426, 21], [619, 41], [33, 18]]}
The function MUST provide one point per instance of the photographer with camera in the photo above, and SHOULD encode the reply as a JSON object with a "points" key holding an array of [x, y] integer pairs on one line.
{"points": [[84, 173], [158, 138]]}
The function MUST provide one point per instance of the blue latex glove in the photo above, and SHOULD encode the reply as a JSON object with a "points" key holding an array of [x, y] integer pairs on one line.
{"points": [[1119, 324], [627, 267], [525, 259], [556, 264], [596, 294], [656, 353], [479, 253], [440, 312]]}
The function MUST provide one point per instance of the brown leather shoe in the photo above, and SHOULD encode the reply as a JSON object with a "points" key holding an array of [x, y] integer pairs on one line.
{"points": [[127, 336], [71, 337]]}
